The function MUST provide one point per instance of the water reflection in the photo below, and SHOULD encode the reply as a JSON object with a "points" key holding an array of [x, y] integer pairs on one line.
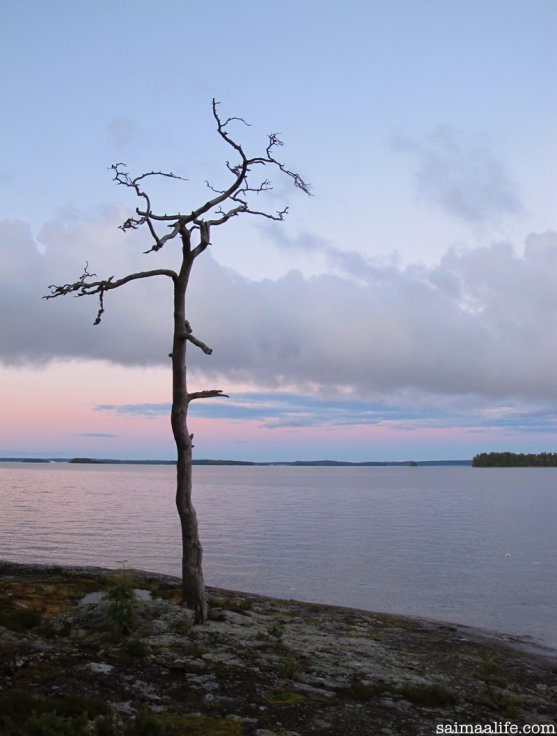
{"points": [[476, 546]]}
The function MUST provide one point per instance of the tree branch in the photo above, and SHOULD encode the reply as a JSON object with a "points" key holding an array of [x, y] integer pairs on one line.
{"points": [[82, 287], [211, 394], [227, 202], [159, 242], [198, 343]]}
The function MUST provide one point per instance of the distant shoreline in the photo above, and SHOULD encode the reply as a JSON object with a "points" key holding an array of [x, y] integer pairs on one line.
{"points": [[244, 463]]}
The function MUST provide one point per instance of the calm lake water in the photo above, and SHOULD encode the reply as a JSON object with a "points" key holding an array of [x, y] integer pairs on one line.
{"points": [[476, 546]]}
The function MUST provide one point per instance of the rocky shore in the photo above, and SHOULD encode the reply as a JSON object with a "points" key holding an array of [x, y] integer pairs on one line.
{"points": [[259, 667]]}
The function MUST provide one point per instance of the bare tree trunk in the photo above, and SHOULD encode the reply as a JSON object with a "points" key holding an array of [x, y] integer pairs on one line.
{"points": [[193, 588], [219, 209]]}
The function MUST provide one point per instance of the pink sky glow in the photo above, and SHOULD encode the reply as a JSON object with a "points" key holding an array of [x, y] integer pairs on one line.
{"points": [[51, 412]]}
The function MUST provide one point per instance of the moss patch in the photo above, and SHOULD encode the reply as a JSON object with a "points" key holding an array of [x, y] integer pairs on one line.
{"points": [[192, 725], [283, 696], [429, 696], [23, 714]]}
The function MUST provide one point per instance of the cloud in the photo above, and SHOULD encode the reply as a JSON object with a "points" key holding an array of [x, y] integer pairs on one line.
{"points": [[149, 411], [461, 175], [480, 322], [273, 410], [35, 331], [276, 409], [348, 262]]}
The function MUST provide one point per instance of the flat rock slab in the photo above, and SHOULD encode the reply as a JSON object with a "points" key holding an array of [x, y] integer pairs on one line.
{"points": [[260, 666]]}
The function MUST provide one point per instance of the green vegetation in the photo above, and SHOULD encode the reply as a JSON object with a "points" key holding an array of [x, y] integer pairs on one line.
{"points": [[276, 631], [496, 682], [492, 673], [515, 460], [22, 714], [137, 648], [18, 619], [283, 696], [182, 724], [122, 603], [233, 603], [362, 691], [288, 667], [429, 696]]}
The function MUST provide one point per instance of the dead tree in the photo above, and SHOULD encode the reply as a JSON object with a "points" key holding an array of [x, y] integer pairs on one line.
{"points": [[192, 233]]}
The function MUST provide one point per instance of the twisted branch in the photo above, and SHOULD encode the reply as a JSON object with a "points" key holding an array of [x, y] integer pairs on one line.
{"points": [[82, 287], [235, 193], [226, 204]]}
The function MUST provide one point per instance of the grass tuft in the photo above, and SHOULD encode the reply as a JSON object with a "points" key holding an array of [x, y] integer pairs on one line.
{"points": [[429, 696]]}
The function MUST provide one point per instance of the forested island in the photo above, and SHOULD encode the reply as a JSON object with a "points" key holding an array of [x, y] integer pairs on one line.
{"points": [[515, 460]]}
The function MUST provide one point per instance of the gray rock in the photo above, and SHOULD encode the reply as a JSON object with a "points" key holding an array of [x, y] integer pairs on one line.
{"points": [[100, 668], [166, 640]]}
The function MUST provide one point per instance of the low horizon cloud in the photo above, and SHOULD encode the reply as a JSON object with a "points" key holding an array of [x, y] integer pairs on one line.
{"points": [[480, 322], [276, 410]]}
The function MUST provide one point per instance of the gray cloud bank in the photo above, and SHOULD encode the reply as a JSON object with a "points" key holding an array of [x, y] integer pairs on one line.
{"points": [[480, 322]]}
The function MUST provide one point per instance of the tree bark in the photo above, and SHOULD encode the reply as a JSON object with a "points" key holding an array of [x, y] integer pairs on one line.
{"points": [[193, 588]]}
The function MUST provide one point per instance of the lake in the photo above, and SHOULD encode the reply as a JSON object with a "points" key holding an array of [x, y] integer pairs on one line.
{"points": [[476, 546]]}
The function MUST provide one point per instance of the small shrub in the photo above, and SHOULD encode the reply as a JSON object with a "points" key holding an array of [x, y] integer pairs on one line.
{"points": [[276, 631], [154, 586], [288, 667], [122, 603]]}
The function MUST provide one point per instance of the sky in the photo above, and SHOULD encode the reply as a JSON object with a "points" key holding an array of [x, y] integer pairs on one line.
{"points": [[406, 310]]}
